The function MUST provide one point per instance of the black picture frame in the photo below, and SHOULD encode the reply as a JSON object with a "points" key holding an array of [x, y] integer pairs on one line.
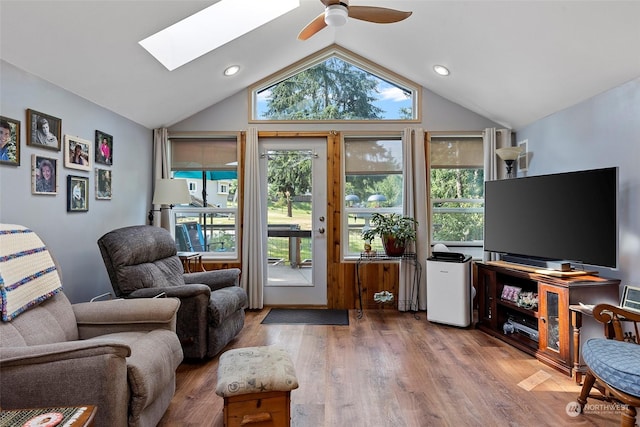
{"points": [[103, 156], [9, 141], [77, 193], [38, 136], [103, 184]]}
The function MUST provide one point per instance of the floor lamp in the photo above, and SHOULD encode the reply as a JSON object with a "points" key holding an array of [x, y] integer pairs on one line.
{"points": [[169, 192], [509, 155]]}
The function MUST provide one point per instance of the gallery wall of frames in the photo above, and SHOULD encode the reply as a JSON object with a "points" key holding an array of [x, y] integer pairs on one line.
{"points": [[61, 164]]}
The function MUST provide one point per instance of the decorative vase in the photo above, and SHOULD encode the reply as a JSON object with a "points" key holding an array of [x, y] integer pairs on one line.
{"points": [[392, 246]]}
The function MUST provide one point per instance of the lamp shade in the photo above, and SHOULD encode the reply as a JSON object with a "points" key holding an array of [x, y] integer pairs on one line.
{"points": [[509, 153], [171, 192]]}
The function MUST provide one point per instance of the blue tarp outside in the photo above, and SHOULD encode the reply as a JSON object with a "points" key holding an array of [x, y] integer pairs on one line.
{"points": [[210, 175]]}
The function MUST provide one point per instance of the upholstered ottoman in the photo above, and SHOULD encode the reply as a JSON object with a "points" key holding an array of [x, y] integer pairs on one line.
{"points": [[256, 384]]}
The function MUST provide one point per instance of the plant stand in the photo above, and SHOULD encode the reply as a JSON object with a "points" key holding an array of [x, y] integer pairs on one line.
{"points": [[367, 257]]}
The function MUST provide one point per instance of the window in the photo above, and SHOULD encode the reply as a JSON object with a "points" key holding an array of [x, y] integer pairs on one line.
{"points": [[335, 85], [457, 190], [209, 224], [373, 182], [223, 188]]}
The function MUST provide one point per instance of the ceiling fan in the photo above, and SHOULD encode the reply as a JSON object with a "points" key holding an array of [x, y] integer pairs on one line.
{"points": [[337, 12]]}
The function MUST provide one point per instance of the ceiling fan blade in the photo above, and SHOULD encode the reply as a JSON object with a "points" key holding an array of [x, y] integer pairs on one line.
{"points": [[379, 15], [312, 27]]}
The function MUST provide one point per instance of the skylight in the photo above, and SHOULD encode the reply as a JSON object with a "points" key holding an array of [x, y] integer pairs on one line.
{"points": [[211, 28]]}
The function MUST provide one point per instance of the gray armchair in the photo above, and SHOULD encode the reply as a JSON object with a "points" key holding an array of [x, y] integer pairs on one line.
{"points": [[142, 262], [120, 356]]}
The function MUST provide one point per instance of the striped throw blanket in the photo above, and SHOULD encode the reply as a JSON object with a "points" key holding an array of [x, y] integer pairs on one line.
{"points": [[28, 274]]}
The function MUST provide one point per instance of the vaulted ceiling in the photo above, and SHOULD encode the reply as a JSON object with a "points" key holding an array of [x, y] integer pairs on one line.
{"points": [[513, 62]]}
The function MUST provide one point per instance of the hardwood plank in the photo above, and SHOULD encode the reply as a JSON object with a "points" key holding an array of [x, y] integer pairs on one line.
{"points": [[391, 369]]}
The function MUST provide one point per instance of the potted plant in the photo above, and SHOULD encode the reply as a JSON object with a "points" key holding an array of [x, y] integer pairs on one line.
{"points": [[395, 230]]}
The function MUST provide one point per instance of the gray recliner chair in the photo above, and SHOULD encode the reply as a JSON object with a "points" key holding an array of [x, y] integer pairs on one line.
{"points": [[119, 355], [142, 262]]}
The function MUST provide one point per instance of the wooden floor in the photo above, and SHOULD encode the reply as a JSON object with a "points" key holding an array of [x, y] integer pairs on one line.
{"points": [[391, 369]]}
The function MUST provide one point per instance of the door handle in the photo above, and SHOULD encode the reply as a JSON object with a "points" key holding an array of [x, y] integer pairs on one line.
{"points": [[321, 230]]}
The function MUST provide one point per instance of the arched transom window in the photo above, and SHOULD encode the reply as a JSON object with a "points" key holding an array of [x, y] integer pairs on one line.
{"points": [[335, 85]]}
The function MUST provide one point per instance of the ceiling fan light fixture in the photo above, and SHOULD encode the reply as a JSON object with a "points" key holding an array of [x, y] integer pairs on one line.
{"points": [[336, 15], [441, 70], [231, 70]]}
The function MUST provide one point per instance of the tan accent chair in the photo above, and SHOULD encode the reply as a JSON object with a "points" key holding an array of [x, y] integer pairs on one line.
{"points": [[118, 355]]}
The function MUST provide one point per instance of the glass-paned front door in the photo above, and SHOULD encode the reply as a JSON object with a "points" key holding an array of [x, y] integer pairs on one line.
{"points": [[294, 176]]}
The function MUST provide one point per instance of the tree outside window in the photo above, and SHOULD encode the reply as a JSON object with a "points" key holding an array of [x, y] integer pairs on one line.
{"points": [[457, 190], [336, 86]]}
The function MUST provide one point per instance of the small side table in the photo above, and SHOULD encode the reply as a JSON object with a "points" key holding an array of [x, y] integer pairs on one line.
{"points": [[75, 416], [191, 261]]}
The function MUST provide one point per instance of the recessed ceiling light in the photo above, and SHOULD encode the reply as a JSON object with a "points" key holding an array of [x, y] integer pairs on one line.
{"points": [[230, 71], [441, 70], [211, 28]]}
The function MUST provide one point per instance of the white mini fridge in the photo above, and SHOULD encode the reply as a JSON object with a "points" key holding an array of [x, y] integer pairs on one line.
{"points": [[449, 289]]}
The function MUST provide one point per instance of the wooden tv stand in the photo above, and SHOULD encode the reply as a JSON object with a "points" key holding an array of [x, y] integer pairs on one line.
{"points": [[542, 331]]}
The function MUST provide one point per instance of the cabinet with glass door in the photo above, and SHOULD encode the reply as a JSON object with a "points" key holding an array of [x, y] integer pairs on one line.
{"points": [[530, 310]]}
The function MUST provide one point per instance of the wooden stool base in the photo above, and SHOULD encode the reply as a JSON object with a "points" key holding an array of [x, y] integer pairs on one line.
{"points": [[269, 409]]}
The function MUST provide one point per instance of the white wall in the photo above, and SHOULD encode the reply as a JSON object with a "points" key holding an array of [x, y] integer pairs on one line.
{"points": [[72, 237], [603, 131]]}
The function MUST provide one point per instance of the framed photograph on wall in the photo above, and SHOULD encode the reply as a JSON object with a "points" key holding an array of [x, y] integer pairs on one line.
{"points": [[104, 148], [9, 141], [103, 184], [77, 193], [44, 178], [523, 158], [43, 130], [630, 298], [77, 153]]}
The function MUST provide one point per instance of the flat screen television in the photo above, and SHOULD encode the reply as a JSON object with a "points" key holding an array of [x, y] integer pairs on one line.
{"points": [[570, 217]]}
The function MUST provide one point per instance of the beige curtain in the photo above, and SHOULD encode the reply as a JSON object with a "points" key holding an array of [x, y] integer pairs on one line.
{"points": [[253, 246], [160, 171], [412, 290], [494, 138]]}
